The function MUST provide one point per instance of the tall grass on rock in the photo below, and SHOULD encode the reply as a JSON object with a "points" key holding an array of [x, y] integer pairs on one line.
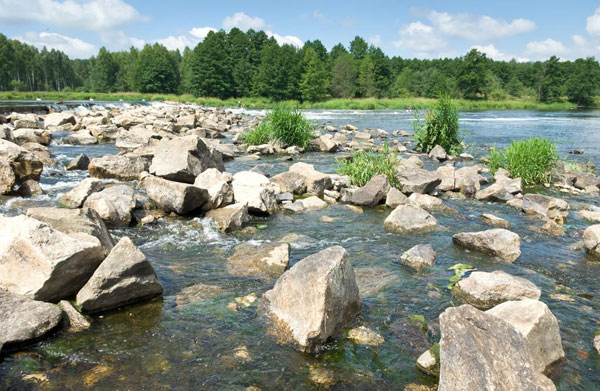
{"points": [[364, 165], [532, 160], [285, 125], [440, 128]]}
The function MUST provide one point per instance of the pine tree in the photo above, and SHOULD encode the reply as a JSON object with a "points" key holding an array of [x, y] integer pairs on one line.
{"points": [[343, 83], [103, 73], [550, 85], [582, 84], [156, 70], [359, 48], [210, 67], [314, 83], [366, 78]]}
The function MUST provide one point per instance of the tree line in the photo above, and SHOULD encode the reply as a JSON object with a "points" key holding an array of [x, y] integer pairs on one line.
{"points": [[243, 64]]}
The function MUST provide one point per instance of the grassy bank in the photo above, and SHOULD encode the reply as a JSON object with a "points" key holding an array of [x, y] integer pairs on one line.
{"points": [[332, 104]]}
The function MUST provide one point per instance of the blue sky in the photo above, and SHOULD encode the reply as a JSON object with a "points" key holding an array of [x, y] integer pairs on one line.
{"points": [[525, 30]]}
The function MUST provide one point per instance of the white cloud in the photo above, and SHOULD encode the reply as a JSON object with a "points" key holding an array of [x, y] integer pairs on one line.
{"points": [[189, 39], [96, 15], [73, 47], [593, 23], [285, 39], [421, 38], [546, 49], [376, 40], [493, 52], [477, 29], [243, 22], [317, 15], [118, 40]]}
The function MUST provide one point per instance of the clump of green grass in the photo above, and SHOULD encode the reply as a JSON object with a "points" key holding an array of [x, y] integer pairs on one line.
{"points": [[440, 128], [285, 125], [532, 160], [364, 165]]}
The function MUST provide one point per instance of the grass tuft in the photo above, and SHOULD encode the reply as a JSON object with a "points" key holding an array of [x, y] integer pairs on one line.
{"points": [[285, 125], [440, 128], [364, 165]]}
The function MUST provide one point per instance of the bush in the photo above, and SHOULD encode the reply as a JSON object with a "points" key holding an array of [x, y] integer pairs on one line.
{"points": [[532, 160], [440, 128], [288, 126], [364, 165]]}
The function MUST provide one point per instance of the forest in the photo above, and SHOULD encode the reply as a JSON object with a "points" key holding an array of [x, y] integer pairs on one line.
{"points": [[239, 64]]}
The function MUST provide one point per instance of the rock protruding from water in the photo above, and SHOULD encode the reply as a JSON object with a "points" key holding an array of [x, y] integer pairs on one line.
{"points": [[597, 343], [502, 190], [373, 193], [500, 243], [419, 257], [171, 196], [591, 239], [230, 217], [59, 118], [410, 218], [545, 206], [256, 191], [479, 351], [264, 260], [395, 198], [218, 186], [77, 195], [438, 154], [494, 221], [315, 299], [42, 263], [124, 277], [17, 165], [429, 361], [538, 325], [113, 204], [80, 162], [77, 321], [486, 290], [316, 182], [416, 180], [23, 320], [290, 182], [117, 167]]}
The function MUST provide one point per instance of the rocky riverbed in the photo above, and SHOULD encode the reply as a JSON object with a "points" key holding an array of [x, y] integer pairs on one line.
{"points": [[181, 258]]}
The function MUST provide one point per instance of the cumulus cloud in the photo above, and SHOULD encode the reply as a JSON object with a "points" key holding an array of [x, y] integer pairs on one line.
{"points": [[593, 23], [73, 47], [420, 38], [118, 40], [95, 15], [375, 40], [546, 49], [243, 22], [285, 39], [189, 39], [477, 29], [494, 53]]}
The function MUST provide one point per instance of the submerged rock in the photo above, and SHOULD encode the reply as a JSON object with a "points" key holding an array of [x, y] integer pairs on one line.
{"points": [[498, 242], [171, 196], [77, 322], [419, 257], [124, 277], [410, 218], [310, 316], [114, 204], [373, 193], [266, 259], [545, 206], [364, 336], [486, 290]]}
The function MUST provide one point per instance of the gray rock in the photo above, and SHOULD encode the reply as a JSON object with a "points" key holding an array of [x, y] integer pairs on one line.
{"points": [[410, 218], [395, 198], [262, 261], [7, 177], [81, 162], [113, 204], [480, 352], [500, 243], [419, 257], [416, 180], [597, 343], [77, 322], [29, 188], [135, 137], [40, 136], [308, 317], [117, 167], [171, 196], [591, 239], [468, 180], [325, 143], [502, 190], [545, 206], [426, 201], [438, 153], [25, 165], [429, 362], [306, 204], [486, 290], [77, 195], [446, 174], [230, 217], [373, 193], [124, 277], [494, 221], [291, 182], [81, 137], [316, 182], [218, 187], [59, 118], [42, 263], [256, 191]]}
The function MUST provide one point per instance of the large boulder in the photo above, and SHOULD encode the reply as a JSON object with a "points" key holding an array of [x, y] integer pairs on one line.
{"points": [[502, 190], [290, 182], [124, 277], [486, 290], [42, 263], [75, 197], [113, 204], [316, 182], [256, 191], [538, 325], [591, 239], [170, 196], [182, 159], [545, 206], [419, 257], [75, 222], [230, 217], [446, 174], [468, 180], [59, 118], [480, 352], [135, 137], [500, 243], [25, 135], [117, 167], [410, 218], [262, 261], [395, 198], [438, 154], [315, 299], [23, 320], [416, 180], [7, 177], [25, 165], [217, 184], [373, 193]]}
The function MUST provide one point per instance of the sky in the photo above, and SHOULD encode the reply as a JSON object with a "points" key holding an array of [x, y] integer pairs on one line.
{"points": [[525, 30]]}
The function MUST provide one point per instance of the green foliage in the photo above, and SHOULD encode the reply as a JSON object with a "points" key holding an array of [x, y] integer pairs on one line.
{"points": [[532, 160], [285, 125], [582, 84], [366, 78], [550, 83], [104, 71], [343, 82], [472, 79], [440, 128], [364, 165], [155, 70], [459, 270], [314, 83], [597, 333], [419, 320]]}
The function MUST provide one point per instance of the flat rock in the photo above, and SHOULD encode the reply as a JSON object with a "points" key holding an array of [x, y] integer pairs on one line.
{"points": [[264, 260], [494, 221], [171, 196], [500, 243], [362, 335], [230, 217], [117, 167], [426, 201], [416, 180], [419, 257], [395, 198], [410, 218], [502, 190], [113, 204], [290, 182]]}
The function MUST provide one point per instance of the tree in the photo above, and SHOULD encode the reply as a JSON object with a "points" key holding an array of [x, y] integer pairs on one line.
{"points": [[343, 80], [156, 70], [279, 72], [550, 82], [366, 78], [337, 51], [436, 84], [472, 75], [242, 68], [7, 54], [104, 71], [381, 71], [582, 84], [359, 48], [407, 83], [315, 81], [210, 67]]}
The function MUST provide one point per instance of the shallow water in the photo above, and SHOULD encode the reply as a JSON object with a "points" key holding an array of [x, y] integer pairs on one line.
{"points": [[162, 345]]}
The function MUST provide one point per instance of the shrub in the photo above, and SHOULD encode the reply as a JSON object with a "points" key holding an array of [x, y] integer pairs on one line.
{"points": [[364, 165], [532, 159], [288, 126], [440, 128]]}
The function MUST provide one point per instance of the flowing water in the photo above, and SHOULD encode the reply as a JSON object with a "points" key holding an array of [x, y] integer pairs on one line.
{"points": [[167, 344]]}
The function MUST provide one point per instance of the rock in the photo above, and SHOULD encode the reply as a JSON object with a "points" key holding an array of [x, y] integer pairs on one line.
{"points": [[117, 167], [429, 361], [395, 198], [100, 132], [182, 159], [325, 143], [478, 351], [538, 325], [77, 322], [438, 153], [262, 261], [426, 201], [23, 320], [494, 221], [486, 290], [410, 218], [77, 195], [256, 191], [373, 193], [309, 317], [42, 263], [468, 180], [416, 180], [171, 196], [312, 203], [81, 162], [362, 135], [7, 177], [59, 118], [113, 204], [196, 293], [25, 165], [230, 217], [597, 343], [548, 207], [419, 257], [591, 239], [29, 188], [552, 228], [40, 151], [350, 127], [316, 182], [446, 176], [135, 137], [290, 182], [186, 121], [500, 243], [364, 336], [220, 192], [589, 215], [40, 136], [502, 190], [124, 277], [81, 137], [24, 123]]}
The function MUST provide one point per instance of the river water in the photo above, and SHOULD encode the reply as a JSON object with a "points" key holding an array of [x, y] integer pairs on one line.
{"points": [[167, 344]]}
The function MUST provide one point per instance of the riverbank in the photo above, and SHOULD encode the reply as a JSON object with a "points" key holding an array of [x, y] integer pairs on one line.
{"points": [[264, 103]]}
